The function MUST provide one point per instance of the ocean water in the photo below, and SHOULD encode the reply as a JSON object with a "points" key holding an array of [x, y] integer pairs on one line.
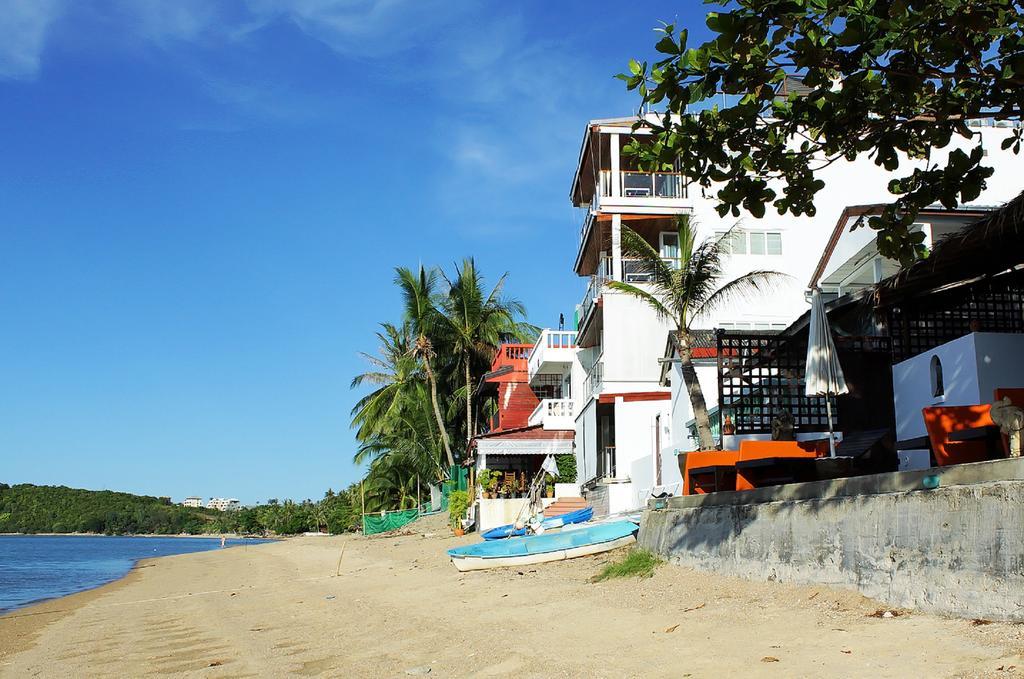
{"points": [[38, 567]]}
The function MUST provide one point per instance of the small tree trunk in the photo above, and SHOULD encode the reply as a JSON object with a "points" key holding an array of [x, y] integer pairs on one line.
{"points": [[469, 405], [705, 439], [437, 412]]}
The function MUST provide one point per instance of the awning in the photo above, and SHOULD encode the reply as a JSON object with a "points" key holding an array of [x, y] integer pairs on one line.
{"points": [[497, 446]]}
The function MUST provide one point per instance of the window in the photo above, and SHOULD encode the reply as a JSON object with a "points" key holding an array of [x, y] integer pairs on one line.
{"points": [[547, 386], [744, 325], [938, 388], [745, 242], [757, 243], [669, 245]]}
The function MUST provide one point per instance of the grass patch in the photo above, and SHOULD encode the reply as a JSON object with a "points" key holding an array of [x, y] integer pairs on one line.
{"points": [[639, 563]]}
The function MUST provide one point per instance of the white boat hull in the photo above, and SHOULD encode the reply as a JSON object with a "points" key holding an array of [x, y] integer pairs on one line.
{"points": [[476, 563]]}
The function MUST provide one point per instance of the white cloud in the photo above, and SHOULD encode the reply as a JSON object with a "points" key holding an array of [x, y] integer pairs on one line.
{"points": [[362, 28], [23, 29], [161, 21]]}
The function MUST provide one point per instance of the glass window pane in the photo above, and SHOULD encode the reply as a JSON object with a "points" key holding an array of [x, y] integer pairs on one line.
{"points": [[636, 184], [774, 243], [739, 242], [756, 243]]}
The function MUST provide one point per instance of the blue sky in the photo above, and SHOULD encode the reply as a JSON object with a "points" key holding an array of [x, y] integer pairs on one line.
{"points": [[201, 204]]}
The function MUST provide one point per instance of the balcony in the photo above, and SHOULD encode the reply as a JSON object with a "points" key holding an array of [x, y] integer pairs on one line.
{"points": [[554, 413], [626, 190], [553, 352], [643, 185]]}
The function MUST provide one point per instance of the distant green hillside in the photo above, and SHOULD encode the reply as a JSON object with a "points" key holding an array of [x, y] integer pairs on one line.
{"points": [[25, 508]]}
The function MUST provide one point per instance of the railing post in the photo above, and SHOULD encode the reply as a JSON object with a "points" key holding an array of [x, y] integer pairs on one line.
{"points": [[616, 178]]}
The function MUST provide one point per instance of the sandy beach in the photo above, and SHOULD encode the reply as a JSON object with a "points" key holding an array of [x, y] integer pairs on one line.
{"points": [[398, 608]]}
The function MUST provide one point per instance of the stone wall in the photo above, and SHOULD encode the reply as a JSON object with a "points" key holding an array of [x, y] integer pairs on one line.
{"points": [[957, 549]]}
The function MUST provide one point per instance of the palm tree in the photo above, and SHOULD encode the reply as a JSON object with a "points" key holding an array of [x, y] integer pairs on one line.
{"points": [[418, 294], [474, 324], [686, 288], [396, 372], [395, 419]]}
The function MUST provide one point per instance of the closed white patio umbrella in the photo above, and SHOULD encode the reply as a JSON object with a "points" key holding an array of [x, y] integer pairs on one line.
{"points": [[823, 375]]}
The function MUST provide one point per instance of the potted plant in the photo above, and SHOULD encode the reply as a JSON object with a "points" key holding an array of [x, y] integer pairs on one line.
{"points": [[484, 478], [458, 503], [549, 485]]}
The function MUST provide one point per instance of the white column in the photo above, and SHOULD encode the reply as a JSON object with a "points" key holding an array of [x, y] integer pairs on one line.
{"points": [[617, 247], [878, 270], [616, 180]]}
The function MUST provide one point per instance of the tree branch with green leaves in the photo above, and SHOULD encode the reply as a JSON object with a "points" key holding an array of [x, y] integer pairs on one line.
{"points": [[894, 80]]}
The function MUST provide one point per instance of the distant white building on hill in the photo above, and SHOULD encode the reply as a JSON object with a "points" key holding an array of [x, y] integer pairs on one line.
{"points": [[192, 501], [224, 504]]}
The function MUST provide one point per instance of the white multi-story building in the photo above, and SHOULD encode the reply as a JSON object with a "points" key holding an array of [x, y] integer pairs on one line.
{"points": [[192, 501], [224, 504], [630, 415]]}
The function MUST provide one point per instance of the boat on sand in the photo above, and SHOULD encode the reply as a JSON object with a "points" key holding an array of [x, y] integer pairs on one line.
{"points": [[509, 530], [533, 549]]}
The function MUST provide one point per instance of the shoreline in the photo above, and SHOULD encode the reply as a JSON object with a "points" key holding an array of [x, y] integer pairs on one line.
{"points": [[213, 536], [402, 608], [22, 625], [136, 565]]}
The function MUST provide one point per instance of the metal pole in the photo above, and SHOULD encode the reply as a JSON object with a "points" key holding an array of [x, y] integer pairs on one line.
{"points": [[362, 501], [831, 433]]}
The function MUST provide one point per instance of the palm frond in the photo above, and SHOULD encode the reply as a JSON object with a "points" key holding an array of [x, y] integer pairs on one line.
{"points": [[643, 295]]}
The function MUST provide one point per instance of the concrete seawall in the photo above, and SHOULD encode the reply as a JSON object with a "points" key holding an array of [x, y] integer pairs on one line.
{"points": [[957, 549]]}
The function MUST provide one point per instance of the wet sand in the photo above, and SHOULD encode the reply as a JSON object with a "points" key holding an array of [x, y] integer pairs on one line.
{"points": [[398, 608]]}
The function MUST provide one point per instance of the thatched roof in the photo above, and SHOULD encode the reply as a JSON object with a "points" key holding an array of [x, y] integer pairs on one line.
{"points": [[989, 246]]}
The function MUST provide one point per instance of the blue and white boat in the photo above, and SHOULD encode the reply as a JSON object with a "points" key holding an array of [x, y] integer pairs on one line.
{"points": [[509, 530], [533, 549]]}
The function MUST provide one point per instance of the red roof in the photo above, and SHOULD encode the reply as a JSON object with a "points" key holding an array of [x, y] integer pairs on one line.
{"points": [[536, 432]]}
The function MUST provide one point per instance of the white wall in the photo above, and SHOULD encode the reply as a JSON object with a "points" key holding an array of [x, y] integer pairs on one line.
{"points": [[634, 431], [495, 512], [635, 451], [622, 498], [586, 443], [912, 384], [1000, 360], [634, 340]]}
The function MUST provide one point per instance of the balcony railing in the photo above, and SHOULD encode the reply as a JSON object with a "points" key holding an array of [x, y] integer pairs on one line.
{"points": [[551, 340], [554, 413], [606, 465], [594, 381], [643, 184], [637, 270]]}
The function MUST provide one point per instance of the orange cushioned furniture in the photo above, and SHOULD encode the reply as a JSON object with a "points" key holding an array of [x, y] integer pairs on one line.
{"points": [[941, 421], [709, 471], [775, 462], [716, 470]]}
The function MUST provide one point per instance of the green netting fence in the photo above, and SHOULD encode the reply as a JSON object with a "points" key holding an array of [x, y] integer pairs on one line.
{"points": [[382, 522]]}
